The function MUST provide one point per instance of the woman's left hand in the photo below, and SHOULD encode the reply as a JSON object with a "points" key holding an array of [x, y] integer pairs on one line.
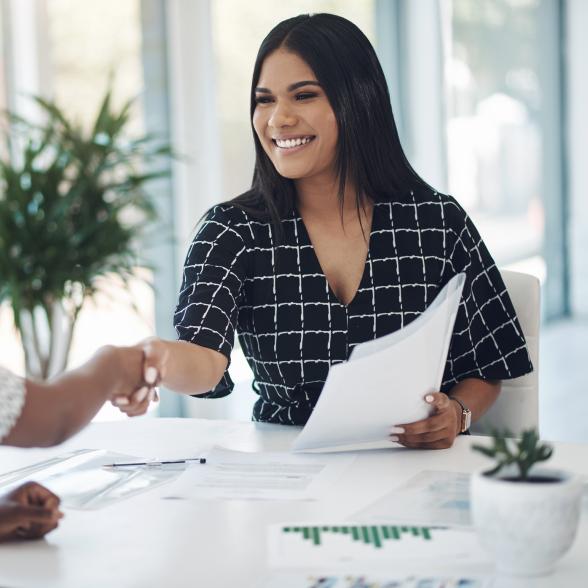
{"points": [[435, 432]]}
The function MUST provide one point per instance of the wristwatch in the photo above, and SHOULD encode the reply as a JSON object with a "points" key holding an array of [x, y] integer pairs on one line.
{"points": [[466, 415]]}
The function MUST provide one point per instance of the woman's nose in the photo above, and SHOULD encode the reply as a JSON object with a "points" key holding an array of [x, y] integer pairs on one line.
{"points": [[281, 116]]}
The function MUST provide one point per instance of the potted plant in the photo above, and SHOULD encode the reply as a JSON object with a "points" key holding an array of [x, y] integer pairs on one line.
{"points": [[526, 516], [72, 204]]}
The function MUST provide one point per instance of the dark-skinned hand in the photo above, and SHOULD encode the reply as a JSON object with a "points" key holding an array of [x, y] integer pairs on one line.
{"points": [[438, 431], [28, 512]]}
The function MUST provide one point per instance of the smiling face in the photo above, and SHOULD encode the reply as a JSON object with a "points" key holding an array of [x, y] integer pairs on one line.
{"points": [[293, 118]]}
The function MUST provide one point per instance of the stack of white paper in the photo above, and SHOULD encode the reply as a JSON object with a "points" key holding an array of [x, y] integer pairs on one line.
{"points": [[384, 382]]}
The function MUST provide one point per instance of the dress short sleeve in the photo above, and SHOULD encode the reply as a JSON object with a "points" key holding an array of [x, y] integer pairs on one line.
{"points": [[487, 341], [212, 285], [12, 398]]}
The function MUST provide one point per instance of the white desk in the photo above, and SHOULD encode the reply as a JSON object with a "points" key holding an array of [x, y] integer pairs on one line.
{"points": [[146, 541]]}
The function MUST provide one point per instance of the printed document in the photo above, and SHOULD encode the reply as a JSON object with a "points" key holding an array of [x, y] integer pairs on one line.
{"points": [[229, 474], [384, 382], [429, 498], [364, 546], [299, 579]]}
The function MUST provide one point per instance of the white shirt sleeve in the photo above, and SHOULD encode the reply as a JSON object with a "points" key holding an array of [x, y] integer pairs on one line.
{"points": [[12, 398]]}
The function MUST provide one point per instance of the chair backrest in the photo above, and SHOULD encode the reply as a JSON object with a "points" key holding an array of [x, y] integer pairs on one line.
{"points": [[517, 407]]}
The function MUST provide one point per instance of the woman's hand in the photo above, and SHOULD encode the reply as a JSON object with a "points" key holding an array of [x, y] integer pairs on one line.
{"points": [[152, 369], [436, 432], [28, 512]]}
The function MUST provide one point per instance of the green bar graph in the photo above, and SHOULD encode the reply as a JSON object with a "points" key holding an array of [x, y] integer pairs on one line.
{"points": [[372, 535]]}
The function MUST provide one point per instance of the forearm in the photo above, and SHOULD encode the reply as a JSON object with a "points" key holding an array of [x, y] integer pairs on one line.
{"points": [[191, 368], [478, 395], [56, 410]]}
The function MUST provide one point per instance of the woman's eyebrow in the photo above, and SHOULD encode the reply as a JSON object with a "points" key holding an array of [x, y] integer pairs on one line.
{"points": [[291, 87], [297, 85]]}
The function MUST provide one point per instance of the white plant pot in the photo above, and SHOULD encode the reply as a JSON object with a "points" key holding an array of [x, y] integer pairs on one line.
{"points": [[526, 526]]}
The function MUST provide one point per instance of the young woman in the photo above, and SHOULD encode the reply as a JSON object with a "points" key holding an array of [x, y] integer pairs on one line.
{"points": [[338, 241], [44, 414]]}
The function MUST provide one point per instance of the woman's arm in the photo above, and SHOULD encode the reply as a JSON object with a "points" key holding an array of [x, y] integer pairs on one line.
{"points": [[443, 426], [55, 410], [181, 366], [477, 395]]}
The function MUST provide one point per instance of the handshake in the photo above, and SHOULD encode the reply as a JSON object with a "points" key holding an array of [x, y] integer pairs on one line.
{"points": [[131, 375]]}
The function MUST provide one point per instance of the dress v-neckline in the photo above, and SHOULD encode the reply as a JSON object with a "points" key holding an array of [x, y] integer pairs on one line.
{"points": [[317, 262]]}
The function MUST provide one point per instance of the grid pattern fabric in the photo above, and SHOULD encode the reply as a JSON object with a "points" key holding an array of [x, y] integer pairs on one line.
{"points": [[12, 398], [291, 325]]}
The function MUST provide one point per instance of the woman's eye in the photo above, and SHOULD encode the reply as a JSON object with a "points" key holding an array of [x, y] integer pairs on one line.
{"points": [[262, 99], [305, 95]]}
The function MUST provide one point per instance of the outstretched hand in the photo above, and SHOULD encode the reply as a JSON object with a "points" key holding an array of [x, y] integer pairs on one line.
{"points": [[153, 363], [28, 512], [438, 431]]}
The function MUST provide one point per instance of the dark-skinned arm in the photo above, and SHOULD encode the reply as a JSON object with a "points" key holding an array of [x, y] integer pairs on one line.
{"points": [[57, 409]]}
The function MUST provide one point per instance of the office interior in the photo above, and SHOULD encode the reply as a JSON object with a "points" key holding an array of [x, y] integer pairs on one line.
{"points": [[490, 101]]}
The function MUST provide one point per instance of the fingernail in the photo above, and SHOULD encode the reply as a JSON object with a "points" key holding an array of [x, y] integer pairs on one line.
{"points": [[151, 375], [141, 394], [429, 398], [121, 401], [393, 438], [398, 430]]}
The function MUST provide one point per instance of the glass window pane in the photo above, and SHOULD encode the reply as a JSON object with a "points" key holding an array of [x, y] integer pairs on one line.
{"points": [[89, 44], [494, 114]]}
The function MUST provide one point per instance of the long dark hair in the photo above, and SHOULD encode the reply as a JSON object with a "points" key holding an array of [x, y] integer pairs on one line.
{"points": [[369, 153]]}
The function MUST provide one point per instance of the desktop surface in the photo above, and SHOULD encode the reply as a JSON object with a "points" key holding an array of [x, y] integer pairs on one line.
{"points": [[152, 539]]}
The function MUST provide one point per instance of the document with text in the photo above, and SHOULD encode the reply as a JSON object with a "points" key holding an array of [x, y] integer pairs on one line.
{"points": [[384, 382], [230, 474]]}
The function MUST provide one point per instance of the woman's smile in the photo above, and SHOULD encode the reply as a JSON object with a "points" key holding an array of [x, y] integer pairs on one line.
{"points": [[287, 145]]}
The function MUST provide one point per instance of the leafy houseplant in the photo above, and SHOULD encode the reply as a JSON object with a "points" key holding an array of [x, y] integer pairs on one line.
{"points": [[526, 516], [72, 203]]}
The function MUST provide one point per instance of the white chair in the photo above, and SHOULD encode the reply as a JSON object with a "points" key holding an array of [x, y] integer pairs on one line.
{"points": [[517, 407]]}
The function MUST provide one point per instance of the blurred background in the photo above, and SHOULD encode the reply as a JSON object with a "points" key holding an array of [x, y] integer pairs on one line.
{"points": [[489, 96]]}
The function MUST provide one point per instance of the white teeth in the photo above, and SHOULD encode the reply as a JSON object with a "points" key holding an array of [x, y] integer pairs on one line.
{"points": [[289, 143]]}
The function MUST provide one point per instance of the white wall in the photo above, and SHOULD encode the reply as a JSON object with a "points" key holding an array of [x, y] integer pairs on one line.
{"points": [[577, 150]]}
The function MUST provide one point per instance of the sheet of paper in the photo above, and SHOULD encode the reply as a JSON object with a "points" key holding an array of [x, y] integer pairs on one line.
{"points": [[230, 474], [300, 545], [429, 498], [384, 382], [371, 580]]}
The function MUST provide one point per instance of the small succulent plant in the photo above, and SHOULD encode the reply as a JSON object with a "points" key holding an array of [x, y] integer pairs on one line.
{"points": [[523, 453]]}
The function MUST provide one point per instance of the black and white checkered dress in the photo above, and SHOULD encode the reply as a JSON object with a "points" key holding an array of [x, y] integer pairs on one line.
{"points": [[291, 325]]}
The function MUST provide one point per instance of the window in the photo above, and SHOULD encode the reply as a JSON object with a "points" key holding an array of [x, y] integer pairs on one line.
{"points": [[495, 105], [88, 45]]}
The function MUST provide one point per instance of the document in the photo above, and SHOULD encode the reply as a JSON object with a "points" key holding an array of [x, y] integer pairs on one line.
{"points": [[372, 580], [429, 498], [333, 545], [230, 474], [384, 382]]}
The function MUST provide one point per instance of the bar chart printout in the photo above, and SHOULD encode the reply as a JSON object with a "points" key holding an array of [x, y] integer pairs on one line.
{"points": [[298, 545], [374, 535]]}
